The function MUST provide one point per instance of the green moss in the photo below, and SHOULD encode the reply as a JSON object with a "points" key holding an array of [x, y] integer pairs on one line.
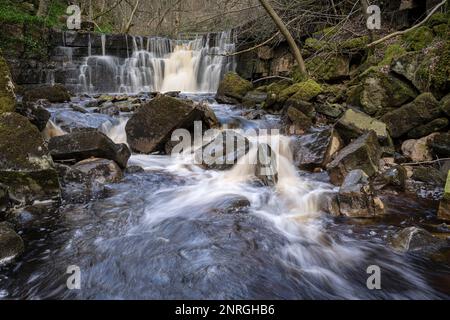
{"points": [[442, 31], [11, 12], [392, 52], [303, 91], [234, 86], [439, 18], [355, 43], [419, 38], [328, 68]]}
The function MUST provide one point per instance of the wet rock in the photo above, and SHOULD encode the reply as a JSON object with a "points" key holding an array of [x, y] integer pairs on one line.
{"points": [[305, 107], [224, 151], [429, 128], [173, 94], [151, 127], [428, 175], [54, 94], [315, 150], [296, 121], [76, 186], [25, 166], [364, 153], [378, 91], [414, 239], [329, 203], [354, 123], [78, 108], [418, 150], [81, 145], [134, 169], [7, 95], [444, 206], [302, 91], [356, 198], [266, 169], [4, 198], [100, 170], [333, 110], [232, 89], [231, 205], [109, 109], [423, 109], [256, 97], [11, 244], [440, 145], [35, 113], [392, 177]]}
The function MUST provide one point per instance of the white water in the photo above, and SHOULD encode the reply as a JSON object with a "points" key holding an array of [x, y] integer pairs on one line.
{"points": [[159, 64]]}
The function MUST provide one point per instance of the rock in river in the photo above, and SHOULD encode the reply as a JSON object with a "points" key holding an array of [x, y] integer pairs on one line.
{"points": [[25, 165], [151, 127], [55, 94], [100, 170], [364, 153], [84, 144], [11, 244]]}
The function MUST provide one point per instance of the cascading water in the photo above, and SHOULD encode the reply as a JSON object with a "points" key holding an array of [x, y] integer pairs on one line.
{"points": [[160, 64]]}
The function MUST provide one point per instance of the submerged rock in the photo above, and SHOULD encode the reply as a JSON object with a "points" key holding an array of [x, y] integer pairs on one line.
{"points": [[364, 153], [55, 94], [414, 239], [11, 244], [81, 145], [25, 166], [151, 127], [444, 206], [356, 198], [233, 88], [315, 150], [423, 109], [7, 96], [35, 113]]}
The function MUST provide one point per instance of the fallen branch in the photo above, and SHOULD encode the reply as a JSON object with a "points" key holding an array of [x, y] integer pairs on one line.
{"points": [[424, 162], [399, 33], [272, 77]]}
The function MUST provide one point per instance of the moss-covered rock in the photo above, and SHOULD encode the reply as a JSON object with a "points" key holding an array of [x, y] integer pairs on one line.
{"points": [[304, 91], [428, 72], [392, 52], [25, 166], [428, 128], [423, 109], [378, 91], [329, 68], [55, 94], [445, 105], [233, 88], [419, 38], [7, 96]]}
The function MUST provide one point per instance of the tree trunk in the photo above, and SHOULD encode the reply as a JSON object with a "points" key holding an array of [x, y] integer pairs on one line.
{"points": [[128, 26], [287, 35], [43, 8]]}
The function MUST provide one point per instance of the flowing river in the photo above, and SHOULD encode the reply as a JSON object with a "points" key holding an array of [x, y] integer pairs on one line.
{"points": [[178, 231]]}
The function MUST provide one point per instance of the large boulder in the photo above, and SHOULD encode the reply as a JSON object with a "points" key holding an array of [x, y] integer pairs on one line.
{"points": [[356, 197], [25, 166], [428, 70], [36, 113], [84, 144], [354, 123], [444, 207], [423, 109], [364, 153], [7, 96], [151, 127], [11, 244], [315, 150], [440, 145], [378, 91], [232, 89], [55, 94]]}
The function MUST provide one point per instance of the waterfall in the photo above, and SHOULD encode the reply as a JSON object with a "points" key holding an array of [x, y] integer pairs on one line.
{"points": [[160, 64]]}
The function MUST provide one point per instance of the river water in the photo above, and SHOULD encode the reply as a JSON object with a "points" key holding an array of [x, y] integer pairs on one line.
{"points": [[179, 231]]}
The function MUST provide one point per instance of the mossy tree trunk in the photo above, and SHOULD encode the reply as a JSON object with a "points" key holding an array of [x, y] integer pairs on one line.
{"points": [[287, 35]]}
